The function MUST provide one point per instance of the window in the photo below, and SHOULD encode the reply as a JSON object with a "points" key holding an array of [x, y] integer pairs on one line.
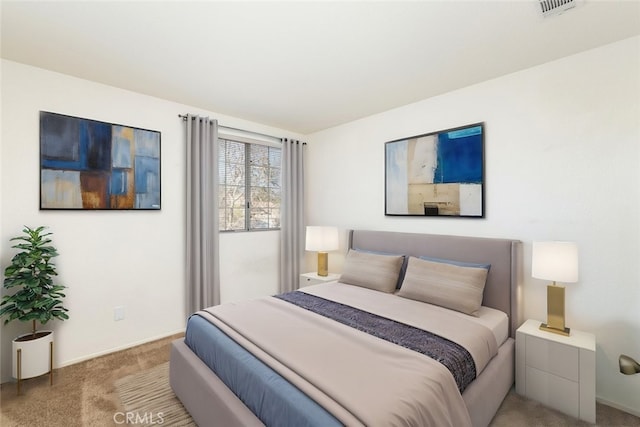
{"points": [[249, 193]]}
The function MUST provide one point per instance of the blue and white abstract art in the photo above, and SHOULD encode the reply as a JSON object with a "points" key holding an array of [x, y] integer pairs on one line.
{"points": [[436, 174], [87, 164]]}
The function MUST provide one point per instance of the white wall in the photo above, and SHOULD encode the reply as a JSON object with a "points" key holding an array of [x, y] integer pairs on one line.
{"points": [[112, 258], [562, 148], [562, 162]]}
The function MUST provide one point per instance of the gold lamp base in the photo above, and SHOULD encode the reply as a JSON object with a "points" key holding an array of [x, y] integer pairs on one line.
{"points": [[323, 264], [566, 331], [555, 311]]}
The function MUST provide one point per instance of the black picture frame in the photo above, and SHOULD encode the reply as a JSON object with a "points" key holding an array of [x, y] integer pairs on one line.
{"points": [[92, 165], [437, 174]]}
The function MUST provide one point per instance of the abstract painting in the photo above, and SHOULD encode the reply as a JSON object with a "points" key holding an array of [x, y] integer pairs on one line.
{"points": [[88, 164], [436, 174]]}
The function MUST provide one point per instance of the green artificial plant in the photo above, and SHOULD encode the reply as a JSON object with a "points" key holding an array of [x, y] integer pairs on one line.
{"points": [[31, 272]]}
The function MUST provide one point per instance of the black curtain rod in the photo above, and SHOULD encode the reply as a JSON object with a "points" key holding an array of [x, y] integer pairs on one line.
{"points": [[184, 117]]}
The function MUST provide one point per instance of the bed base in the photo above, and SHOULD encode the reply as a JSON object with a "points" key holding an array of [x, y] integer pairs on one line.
{"points": [[212, 404], [484, 396], [203, 394]]}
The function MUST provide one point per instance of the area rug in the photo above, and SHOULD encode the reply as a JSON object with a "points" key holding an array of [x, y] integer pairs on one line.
{"points": [[148, 399]]}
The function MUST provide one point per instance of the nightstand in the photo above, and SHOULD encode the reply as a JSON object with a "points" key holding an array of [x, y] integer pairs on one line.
{"points": [[557, 371], [307, 279]]}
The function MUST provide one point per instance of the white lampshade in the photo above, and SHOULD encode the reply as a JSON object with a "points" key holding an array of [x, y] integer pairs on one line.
{"points": [[322, 239], [556, 261]]}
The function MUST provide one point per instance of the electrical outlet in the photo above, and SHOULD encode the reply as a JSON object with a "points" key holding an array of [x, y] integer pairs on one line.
{"points": [[118, 313]]}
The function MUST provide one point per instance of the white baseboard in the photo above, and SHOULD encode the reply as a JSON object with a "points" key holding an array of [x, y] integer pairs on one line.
{"points": [[116, 349], [623, 408]]}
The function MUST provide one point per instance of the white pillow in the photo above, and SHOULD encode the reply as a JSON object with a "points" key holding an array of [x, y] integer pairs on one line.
{"points": [[373, 271], [445, 284]]}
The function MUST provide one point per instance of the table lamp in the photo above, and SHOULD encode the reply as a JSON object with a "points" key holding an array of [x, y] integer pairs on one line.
{"points": [[558, 262], [322, 240]]}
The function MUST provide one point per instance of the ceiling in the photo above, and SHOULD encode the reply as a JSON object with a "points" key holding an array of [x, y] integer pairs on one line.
{"points": [[299, 65]]}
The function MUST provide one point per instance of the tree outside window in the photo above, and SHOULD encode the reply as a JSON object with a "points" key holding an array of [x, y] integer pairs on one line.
{"points": [[249, 196]]}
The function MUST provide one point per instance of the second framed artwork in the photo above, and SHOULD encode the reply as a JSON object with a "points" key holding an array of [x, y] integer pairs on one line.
{"points": [[436, 174]]}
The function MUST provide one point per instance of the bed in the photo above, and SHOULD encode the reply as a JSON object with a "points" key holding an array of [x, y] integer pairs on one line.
{"points": [[330, 354]]}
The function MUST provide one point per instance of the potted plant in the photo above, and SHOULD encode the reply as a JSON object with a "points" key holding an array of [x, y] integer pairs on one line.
{"points": [[36, 299]]}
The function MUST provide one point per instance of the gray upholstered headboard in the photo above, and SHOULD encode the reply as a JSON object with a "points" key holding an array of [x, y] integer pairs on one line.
{"points": [[501, 290]]}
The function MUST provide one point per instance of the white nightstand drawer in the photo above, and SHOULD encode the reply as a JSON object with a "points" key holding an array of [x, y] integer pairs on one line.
{"points": [[557, 359], [307, 279], [553, 391]]}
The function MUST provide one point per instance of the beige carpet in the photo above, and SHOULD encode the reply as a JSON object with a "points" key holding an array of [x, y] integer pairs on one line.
{"points": [[135, 383], [519, 411], [82, 395]]}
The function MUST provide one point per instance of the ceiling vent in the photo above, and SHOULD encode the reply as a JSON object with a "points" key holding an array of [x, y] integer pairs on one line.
{"points": [[556, 7]]}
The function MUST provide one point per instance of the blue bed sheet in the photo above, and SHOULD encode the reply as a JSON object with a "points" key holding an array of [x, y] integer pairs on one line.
{"points": [[270, 397]]}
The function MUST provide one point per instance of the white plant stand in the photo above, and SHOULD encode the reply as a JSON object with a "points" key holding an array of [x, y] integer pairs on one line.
{"points": [[29, 360]]}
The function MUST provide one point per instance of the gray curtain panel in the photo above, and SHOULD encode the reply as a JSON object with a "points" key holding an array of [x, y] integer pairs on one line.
{"points": [[203, 260], [292, 227]]}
